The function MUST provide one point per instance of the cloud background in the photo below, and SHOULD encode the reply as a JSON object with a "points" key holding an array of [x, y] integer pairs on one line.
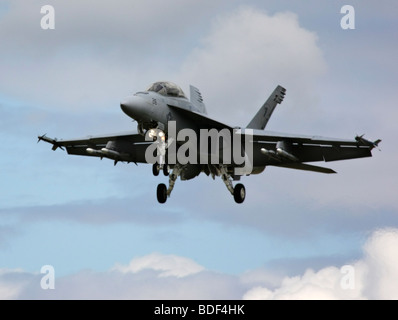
{"points": [[96, 223], [157, 276]]}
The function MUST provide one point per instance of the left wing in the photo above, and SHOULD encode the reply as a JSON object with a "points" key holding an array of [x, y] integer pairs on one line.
{"points": [[291, 151], [128, 146]]}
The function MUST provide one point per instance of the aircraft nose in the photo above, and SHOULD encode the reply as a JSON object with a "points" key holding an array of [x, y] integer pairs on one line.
{"points": [[134, 107], [124, 105]]}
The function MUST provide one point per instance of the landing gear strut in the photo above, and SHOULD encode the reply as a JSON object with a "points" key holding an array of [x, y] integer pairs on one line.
{"points": [[238, 192], [162, 191]]}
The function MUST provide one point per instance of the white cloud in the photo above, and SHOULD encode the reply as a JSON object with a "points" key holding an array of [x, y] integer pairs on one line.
{"points": [[375, 276], [381, 259], [93, 59], [9, 291], [12, 283], [168, 265], [246, 54], [321, 285], [97, 54], [158, 276]]}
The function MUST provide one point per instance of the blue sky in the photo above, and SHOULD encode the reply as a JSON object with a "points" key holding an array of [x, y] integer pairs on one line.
{"points": [[84, 216]]}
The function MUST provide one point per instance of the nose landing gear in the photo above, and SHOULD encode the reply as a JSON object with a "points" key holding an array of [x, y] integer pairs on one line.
{"points": [[156, 168]]}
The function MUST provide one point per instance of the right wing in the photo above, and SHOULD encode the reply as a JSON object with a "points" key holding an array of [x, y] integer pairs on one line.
{"points": [[129, 147]]}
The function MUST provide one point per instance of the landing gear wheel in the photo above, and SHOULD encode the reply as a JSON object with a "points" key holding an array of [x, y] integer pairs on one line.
{"points": [[166, 170], [161, 193], [155, 169], [239, 193]]}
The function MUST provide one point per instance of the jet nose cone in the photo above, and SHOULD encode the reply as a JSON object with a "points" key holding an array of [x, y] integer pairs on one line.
{"points": [[124, 105], [134, 107], [128, 105]]}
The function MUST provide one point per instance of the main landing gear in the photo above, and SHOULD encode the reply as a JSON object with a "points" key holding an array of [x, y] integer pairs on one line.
{"points": [[238, 192], [162, 192]]}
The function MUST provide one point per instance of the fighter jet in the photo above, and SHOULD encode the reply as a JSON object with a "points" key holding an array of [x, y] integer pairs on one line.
{"points": [[166, 120]]}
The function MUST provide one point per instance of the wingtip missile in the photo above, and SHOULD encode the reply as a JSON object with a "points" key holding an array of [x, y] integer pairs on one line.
{"points": [[54, 142], [40, 138], [363, 142]]}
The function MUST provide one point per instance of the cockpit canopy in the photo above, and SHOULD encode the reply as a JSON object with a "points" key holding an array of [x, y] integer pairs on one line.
{"points": [[166, 88]]}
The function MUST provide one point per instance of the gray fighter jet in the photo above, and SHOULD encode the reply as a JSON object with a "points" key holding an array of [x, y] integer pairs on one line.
{"points": [[167, 121]]}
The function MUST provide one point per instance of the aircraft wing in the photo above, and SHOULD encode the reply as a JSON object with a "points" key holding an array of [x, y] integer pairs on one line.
{"points": [[291, 150], [279, 136], [127, 146]]}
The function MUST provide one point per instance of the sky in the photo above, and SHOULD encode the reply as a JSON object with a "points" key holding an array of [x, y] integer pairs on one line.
{"points": [[100, 227]]}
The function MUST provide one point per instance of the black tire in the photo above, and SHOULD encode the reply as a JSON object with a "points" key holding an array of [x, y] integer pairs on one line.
{"points": [[155, 169], [239, 193], [166, 171], [161, 193]]}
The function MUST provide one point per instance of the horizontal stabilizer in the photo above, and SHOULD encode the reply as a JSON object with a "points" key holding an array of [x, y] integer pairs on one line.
{"points": [[306, 167]]}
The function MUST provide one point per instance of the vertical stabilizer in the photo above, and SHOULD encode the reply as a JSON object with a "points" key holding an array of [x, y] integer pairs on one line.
{"points": [[197, 100], [260, 120]]}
